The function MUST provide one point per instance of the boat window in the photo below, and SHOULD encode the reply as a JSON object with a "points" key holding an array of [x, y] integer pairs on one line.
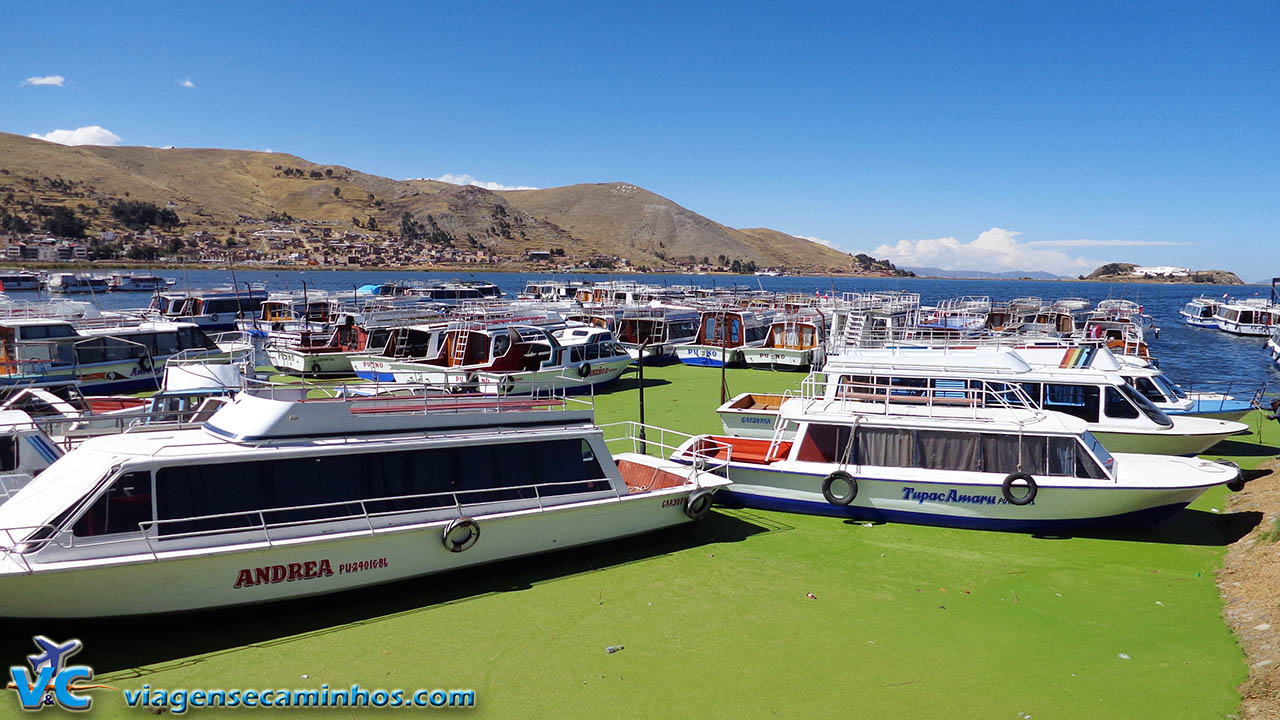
{"points": [[909, 382], [8, 453], [1148, 389], [1078, 400], [939, 450], [1170, 389], [386, 482], [884, 447], [593, 351], [194, 337], [825, 443], [1033, 391], [1062, 456], [1154, 413], [1085, 465], [119, 510], [1013, 453], [1117, 404]]}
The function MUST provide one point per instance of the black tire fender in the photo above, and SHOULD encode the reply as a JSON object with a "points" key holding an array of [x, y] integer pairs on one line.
{"points": [[506, 384], [829, 488], [213, 317], [145, 364], [1006, 489], [460, 534], [1237, 484], [698, 504], [315, 367], [584, 370]]}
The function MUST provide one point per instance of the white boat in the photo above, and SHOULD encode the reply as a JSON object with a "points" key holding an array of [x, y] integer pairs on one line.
{"points": [[76, 283], [722, 334], [280, 497], [964, 459], [137, 282], [1115, 413], [1253, 316], [494, 357], [1201, 312], [658, 330], [793, 342], [19, 280]]}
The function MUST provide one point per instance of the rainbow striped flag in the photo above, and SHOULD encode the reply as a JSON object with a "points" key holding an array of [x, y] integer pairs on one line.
{"points": [[1078, 357]]}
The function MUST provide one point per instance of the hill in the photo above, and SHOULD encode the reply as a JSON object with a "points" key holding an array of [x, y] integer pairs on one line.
{"points": [[224, 193], [983, 275], [1124, 272]]}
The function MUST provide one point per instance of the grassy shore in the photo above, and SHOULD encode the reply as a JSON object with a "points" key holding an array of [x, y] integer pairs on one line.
{"points": [[715, 620]]}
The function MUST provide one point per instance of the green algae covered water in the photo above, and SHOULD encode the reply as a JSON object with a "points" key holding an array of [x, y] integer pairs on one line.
{"points": [[717, 620]]}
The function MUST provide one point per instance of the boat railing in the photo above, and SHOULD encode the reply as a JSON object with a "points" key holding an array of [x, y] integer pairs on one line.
{"points": [[1208, 393], [370, 521], [367, 398], [881, 392], [709, 455]]}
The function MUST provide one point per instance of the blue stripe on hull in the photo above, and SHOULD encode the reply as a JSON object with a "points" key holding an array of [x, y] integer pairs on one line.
{"points": [[377, 376], [701, 361], [1150, 516]]}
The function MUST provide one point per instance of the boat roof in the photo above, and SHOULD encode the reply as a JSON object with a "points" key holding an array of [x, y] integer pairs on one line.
{"points": [[143, 327], [932, 417]]}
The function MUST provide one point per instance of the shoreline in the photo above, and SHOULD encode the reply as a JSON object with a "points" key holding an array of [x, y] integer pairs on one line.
{"points": [[471, 268]]}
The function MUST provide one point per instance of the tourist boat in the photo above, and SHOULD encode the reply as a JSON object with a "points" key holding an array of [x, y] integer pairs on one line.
{"points": [[793, 342], [1252, 316], [1116, 414], [134, 282], [330, 357], [19, 280], [496, 357], [722, 334], [1201, 312], [455, 291], [281, 496], [656, 330], [102, 360], [965, 459], [211, 310], [76, 283], [1273, 344], [962, 313]]}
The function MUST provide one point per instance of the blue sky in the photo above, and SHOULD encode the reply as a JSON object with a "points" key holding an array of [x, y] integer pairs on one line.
{"points": [[1045, 136]]}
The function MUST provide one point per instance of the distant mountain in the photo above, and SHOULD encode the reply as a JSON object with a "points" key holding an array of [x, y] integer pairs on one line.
{"points": [[222, 192], [1123, 272], [983, 275]]}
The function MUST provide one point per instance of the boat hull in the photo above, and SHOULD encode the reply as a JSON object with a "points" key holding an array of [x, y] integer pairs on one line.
{"points": [[708, 356], [962, 505], [783, 359], [295, 362], [182, 581]]}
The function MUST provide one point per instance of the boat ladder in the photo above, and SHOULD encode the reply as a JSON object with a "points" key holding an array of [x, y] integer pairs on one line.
{"points": [[460, 348], [402, 342], [777, 431]]}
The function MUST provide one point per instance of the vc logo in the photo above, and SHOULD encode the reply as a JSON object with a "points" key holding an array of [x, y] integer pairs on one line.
{"points": [[52, 678]]}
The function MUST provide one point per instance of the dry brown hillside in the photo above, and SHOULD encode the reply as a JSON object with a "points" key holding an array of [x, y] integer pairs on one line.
{"points": [[210, 188]]}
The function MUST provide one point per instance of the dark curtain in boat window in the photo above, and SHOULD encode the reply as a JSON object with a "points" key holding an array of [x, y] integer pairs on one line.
{"points": [[1062, 456], [1087, 467], [1117, 405], [8, 453], [1013, 453], [939, 450], [884, 447], [1033, 391], [1078, 400]]}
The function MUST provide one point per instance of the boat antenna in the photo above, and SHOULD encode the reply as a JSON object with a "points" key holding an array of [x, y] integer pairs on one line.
{"points": [[644, 448], [724, 358]]}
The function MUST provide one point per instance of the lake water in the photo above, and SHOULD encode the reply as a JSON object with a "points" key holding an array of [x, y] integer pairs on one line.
{"points": [[1187, 354]]}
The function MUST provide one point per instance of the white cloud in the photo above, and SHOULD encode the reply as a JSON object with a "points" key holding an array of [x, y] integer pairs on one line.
{"points": [[820, 241], [465, 179], [186, 82], [54, 80], [91, 135], [1106, 243], [995, 250]]}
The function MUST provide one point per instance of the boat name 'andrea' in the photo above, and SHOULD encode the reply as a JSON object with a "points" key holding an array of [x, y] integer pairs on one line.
{"points": [[952, 496], [309, 570], [272, 574]]}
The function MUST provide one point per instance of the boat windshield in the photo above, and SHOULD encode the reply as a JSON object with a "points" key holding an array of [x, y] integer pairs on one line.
{"points": [[1170, 389], [1098, 451], [1145, 405]]}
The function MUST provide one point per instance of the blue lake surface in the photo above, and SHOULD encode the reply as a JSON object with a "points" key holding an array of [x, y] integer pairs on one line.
{"points": [[1188, 354]]}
